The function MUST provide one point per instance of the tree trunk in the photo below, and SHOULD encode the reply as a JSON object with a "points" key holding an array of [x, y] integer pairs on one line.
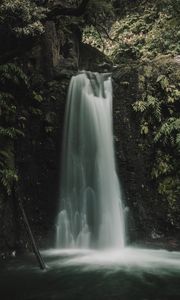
{"points": [[31, 237]]}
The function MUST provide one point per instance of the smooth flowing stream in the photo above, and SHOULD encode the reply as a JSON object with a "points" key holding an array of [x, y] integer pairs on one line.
{"points": [[91, 210]]}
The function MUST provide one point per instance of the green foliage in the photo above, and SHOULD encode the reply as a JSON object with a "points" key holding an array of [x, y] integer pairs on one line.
{"points": [[7, 178], [3, 159], [162, 164], [147, 104], [99, 11], [10, 132], [169, 131], [22, 17], [37, 97], [16, 100], [157, 96], [13, 82], [35, 111], [169, 189], [170, 5], [99, 17], [7, 107], [11, 74], [144, 128], [160, 128], [93, 36], [149, 30]]}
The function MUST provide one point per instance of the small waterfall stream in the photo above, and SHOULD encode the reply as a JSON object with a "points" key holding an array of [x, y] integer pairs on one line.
{"points": [[91, 212]]}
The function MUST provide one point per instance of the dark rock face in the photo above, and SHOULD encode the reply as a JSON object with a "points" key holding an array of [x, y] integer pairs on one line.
{"points": [[55, 61], [132, 166], [93, 60], [7, 232], [49, 66], [148, 213]]}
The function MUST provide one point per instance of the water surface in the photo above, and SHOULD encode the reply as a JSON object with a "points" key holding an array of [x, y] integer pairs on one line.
{"points": [[129, 274]]}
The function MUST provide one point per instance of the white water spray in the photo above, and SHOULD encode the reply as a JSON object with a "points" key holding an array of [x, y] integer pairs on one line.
{"points": [[91, 212]]}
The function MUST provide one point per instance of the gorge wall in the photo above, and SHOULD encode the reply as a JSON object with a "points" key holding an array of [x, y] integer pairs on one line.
{"points": [[50, 65]]}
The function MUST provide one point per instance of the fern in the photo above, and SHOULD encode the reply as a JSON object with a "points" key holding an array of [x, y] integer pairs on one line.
{"points": [[172, 125], [162, 165], [144, 128], [4, 97], [10, 132], [4, 156], [12, 73], [139, 106], [7, 178]]}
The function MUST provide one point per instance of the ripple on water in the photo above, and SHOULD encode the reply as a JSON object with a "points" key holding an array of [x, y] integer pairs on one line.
{"points": [[129, 274]]}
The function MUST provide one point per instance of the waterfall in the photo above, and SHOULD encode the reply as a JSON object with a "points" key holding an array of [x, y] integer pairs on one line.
{"points": [[91, 212]]}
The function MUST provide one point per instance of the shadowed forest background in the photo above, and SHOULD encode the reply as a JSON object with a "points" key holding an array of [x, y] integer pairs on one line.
{"points": [[42, 45]]}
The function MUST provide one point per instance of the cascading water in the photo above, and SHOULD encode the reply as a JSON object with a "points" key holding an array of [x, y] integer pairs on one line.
{"points": [[91, 212]]}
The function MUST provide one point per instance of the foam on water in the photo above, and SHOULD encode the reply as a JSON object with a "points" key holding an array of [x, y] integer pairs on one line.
{"points": [[127, 259]]}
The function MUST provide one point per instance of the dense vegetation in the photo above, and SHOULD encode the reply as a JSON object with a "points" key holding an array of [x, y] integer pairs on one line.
{"points": [[19, 25], [140, 31]]}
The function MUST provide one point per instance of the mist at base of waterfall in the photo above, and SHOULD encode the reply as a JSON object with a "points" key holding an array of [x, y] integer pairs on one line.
{"points": [[127, 259], [83, 274]]}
